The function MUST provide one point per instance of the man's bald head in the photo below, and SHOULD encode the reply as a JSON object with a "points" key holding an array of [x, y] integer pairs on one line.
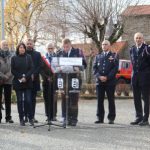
{"points": [[105, 45], [138, 38], [106, 42], [4, 45]]}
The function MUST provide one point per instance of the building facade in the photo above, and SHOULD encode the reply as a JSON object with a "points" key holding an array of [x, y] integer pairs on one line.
{"points": [[136, 19]]}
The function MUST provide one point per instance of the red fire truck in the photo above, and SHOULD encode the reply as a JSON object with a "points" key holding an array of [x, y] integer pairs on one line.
{"points": [[124, 77]]}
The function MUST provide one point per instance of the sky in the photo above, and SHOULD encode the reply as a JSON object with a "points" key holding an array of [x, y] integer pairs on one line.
{"points": [[145, 2], [78, 37]]}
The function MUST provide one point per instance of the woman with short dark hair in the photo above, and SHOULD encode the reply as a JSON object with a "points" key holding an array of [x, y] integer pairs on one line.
{"points": [[22, 68]]}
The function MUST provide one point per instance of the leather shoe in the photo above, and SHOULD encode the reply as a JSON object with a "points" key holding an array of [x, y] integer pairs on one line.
{"points": [[9, 121], [31, 122], [22, 123], [143, 123], [35, 121], [73, 124], [136, 122], [111, 122], [99, 121], [54, 119], [26, 120]]}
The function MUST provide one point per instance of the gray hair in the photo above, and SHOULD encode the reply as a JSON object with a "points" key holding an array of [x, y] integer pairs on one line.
{"points": [[49, 45], [138, 34], [106, 42]]}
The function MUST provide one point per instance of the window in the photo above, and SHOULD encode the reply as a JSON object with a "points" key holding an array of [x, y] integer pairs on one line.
{"points": [[125, 65]]}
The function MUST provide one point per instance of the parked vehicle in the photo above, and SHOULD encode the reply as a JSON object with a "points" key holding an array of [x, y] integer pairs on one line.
{"points": [[124, 77]]}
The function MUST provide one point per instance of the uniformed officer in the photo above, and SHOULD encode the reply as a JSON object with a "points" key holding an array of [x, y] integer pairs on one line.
{"points": [[105, 68], [69, 51], [140, 58]]}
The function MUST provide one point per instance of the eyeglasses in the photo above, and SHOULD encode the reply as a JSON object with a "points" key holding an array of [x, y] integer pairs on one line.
{"points": [[104, 44], [50, 48]]}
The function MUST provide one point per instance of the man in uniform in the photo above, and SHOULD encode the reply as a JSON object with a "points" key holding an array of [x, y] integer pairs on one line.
{"points": [[140, 58], [69, 51], [105, 68]]}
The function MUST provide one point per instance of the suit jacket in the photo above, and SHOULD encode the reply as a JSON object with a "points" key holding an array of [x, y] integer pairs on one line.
{"points": [[22, 64], [141, 64], [106, 66], [75, 52], [5, 68], [36, 58]]}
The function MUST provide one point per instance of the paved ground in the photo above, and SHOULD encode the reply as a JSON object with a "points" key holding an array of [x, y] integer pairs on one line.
{"points": [[86, 136]]}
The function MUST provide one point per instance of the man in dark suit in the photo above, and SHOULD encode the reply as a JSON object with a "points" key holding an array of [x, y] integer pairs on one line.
{"points": [[105, 68], [69, 51], [140, 58], [36, 57]]}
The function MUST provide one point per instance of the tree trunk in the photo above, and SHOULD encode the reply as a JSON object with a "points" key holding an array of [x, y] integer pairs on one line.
{"points": [[89, 70]]}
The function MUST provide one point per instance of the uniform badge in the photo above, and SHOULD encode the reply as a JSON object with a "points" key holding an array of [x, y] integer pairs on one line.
{"points": [[111, 58]]}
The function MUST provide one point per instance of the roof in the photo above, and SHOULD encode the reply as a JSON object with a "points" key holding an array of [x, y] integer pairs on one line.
{"points": [[86, 47], [116, 47], [138, 10], [119, 46]]}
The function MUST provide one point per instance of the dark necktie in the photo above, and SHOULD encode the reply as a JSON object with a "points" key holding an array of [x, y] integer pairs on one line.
{"points": [[49, 58]]}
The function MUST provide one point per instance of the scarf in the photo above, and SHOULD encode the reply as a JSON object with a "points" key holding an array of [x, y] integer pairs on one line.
{"points": [[4, 54]]}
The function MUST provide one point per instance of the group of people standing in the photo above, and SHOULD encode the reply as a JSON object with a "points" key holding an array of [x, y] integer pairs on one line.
{"points": [[49, 84], [23, 68], [105, 69], [23, 75], [20, 71]]}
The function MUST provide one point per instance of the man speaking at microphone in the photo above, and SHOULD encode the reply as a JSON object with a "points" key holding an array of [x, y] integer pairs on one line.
{"points": [[69, 51]]}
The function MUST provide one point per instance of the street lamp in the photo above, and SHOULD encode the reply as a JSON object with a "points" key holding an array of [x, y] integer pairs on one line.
{"points": [[2, 18]]}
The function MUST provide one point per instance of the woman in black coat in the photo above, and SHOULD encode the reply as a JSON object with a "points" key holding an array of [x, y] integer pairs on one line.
{"points": [[22, 69]]}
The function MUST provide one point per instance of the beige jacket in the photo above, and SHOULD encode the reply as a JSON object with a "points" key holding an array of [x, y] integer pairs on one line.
{"points": [[5, 70]]}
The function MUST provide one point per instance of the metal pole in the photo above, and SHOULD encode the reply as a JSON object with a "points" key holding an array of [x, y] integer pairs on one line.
{"points": [[2, 25]]}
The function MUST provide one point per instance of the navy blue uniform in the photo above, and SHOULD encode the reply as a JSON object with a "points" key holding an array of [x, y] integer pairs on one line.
{"points": [[106, 66], [140, 58]]}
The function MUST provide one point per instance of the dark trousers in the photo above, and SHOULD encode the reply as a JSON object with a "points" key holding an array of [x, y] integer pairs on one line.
{"points": [[72, 107], [110, 90], [33, 101], [140, 92], [49, 99], [33, 97], [7, 88], [24, 103]]}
